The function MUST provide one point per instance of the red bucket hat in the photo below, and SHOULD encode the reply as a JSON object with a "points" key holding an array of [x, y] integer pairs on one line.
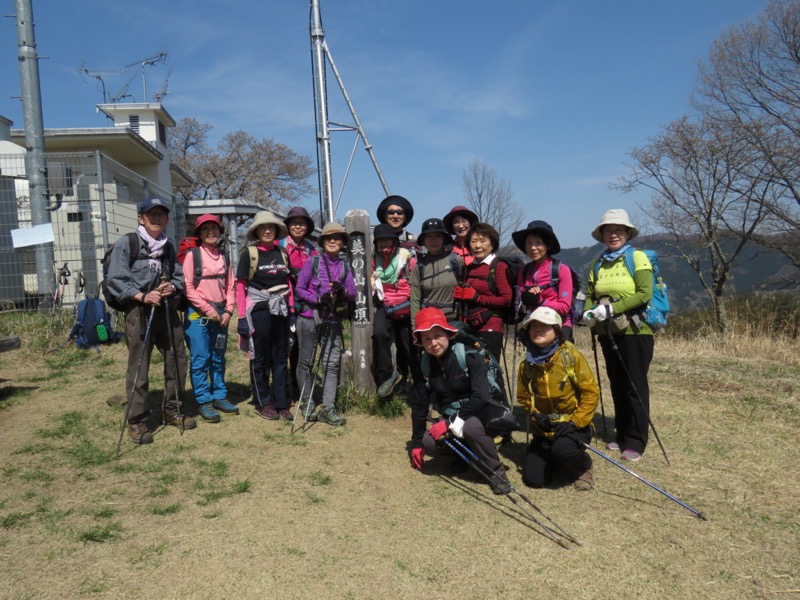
{"points": [[427, 319]]}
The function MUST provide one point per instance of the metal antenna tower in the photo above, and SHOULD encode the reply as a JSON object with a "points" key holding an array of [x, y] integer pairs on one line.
{"points": [[319, 53], [159, 57]]}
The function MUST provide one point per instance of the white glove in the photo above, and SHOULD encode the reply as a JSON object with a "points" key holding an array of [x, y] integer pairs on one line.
{"points": [[457, 427], [588, 319], [598, 314]]}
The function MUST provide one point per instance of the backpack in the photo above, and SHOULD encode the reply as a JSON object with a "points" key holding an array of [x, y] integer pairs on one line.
{"points": [[657, 309], [578, 297], [133, 242], [515, 264], [93, 325], [192, 245]]}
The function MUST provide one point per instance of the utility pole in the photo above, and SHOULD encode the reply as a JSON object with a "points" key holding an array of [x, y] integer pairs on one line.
{"points": [[319, 54], [35, 162]]}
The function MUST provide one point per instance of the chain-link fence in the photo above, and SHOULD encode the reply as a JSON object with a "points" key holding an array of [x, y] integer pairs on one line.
{"points": [[93, 202]]}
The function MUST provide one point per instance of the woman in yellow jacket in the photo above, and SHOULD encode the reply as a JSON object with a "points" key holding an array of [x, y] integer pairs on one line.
{"points": [[558, 390]]}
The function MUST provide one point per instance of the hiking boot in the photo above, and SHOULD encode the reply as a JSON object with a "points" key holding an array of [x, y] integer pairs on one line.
{"points": [[310, 416], [268, 412], [631, 455], [209, 413], [612, 446], [387, 387], [500, 484], [285, 414], [180, 421], [329, 416], [585, 481], [226, 407], [139, 433]]}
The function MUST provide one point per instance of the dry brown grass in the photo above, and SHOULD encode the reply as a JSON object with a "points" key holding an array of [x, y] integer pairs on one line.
{"points": [[244, 510]]}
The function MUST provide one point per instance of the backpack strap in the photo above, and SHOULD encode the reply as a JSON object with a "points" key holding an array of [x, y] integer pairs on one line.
{"points": [[555, 265], [253, 251], [629, 260], [568, 360], [133, 247]]}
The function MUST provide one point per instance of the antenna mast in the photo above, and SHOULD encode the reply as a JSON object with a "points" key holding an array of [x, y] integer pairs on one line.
{"points": [[319, 53]]}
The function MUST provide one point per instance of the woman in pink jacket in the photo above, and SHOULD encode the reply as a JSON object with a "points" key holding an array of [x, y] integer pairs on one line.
{"points": [[208, 280]]}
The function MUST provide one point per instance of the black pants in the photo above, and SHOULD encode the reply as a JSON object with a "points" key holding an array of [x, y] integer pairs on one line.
{"points": [[546, 456], [271, 346], [384, 333], [627, 373]]}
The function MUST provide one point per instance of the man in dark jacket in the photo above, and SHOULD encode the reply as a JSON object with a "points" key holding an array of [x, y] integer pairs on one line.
{"points": [[148, 280]]}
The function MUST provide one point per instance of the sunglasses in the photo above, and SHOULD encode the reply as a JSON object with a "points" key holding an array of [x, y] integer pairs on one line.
{"points": [[393, 211]]}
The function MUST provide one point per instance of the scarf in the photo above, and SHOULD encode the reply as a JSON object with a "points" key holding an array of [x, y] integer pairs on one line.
{"points": [[391, 272], [610, 257], [155, 248], [540, 356]]}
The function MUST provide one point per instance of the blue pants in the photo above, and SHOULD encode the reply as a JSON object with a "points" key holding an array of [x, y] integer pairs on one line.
{"points": [[207, 362]]}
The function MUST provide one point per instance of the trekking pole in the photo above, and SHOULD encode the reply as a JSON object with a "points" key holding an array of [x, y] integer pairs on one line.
{"points": [[474, 465], [599, 385], [636, 391], [520, 494], [136, 378], [178, 382], [697, 513]]}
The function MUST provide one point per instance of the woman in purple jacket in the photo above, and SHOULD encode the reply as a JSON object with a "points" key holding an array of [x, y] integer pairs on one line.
{"points": [[535, 283], [326, 286]]}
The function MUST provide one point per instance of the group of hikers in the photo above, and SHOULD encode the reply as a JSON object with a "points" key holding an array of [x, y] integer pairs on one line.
{"points": [[442, 304]]}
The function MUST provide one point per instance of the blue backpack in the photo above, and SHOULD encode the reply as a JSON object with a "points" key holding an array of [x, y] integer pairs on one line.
{"points": [[93, 326], [655, 314]]}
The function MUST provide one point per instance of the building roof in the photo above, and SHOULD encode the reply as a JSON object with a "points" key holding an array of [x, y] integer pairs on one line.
{"points": [[119, 143]]}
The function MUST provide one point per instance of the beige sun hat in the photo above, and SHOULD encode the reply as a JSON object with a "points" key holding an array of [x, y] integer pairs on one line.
{"points": [[543, 314], [615, 216], [265, 217], [333, 228]]}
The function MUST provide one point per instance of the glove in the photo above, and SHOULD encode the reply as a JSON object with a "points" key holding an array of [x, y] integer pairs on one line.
{"points": [[601, 312], [326, 299], [438, 429], [337, 288], [467, 294], [243, 328], [417, 456], [588, 319], [563, 428], [543, 421], [529, 298]]}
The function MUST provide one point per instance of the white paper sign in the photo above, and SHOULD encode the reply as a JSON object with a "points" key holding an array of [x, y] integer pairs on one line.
{"points": [[33, 236]]}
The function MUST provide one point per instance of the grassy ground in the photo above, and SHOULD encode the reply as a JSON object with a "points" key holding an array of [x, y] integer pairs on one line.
{"points": [[243, 509]]}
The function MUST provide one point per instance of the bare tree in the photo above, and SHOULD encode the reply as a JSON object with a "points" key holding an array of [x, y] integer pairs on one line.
{"points": [[263, 171], [751, 82], [708, 194], [492, 199]]}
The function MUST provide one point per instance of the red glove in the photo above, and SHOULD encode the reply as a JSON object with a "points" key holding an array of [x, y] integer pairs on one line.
{"points": [[438, 430], [465, 293], [417, 455]]}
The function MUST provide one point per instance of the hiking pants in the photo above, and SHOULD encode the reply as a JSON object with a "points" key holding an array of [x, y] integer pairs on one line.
{"points": [[207, 361], [384, 332], [566, 453], [476, 438], [136, 317], [631, 416], [270, 348], [330, 357]]}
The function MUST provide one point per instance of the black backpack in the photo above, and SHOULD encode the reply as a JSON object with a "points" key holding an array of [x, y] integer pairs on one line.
{"points": [[515, 264]]}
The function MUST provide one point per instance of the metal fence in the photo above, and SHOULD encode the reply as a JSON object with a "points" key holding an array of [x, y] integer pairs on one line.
{"points": [[93, 202]]}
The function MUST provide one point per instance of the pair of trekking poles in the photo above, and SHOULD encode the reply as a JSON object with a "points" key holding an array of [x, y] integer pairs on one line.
{"points": [[178, 378]]}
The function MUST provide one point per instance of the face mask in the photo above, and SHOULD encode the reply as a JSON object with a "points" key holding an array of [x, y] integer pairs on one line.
{"points": [[386, 251]]}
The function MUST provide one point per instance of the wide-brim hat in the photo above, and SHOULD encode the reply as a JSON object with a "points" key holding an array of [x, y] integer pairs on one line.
{"points": [[150, 203], [299, 211], [427, 319], [456, 211], [543, 230], [207, 219], [265, 217], [615, 216], [386, 232], [543, 314], [434, 226], [333, 228], [408, 210]]}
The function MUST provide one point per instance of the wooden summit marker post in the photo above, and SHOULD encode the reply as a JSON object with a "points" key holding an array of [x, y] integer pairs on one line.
{"points": [[356, 222]]}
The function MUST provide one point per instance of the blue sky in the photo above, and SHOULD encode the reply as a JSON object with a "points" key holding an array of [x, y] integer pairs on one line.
{"points": [[551, 94]]}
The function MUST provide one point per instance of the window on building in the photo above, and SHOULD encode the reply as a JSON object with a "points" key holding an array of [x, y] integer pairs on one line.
{"points": [[133, 122], [76, 217], [162, 133]]}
